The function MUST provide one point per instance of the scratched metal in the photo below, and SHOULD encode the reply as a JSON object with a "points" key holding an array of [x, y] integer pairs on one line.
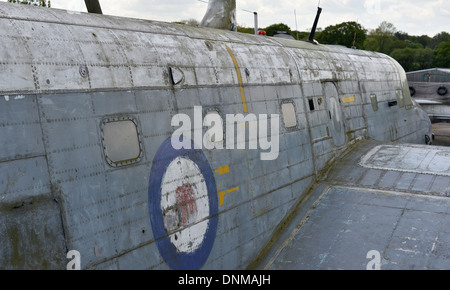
{"points": [[63, 74], [404, 215]]}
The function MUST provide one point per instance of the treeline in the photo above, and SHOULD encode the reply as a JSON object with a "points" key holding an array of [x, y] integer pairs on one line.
{"points": [[412, 52]]}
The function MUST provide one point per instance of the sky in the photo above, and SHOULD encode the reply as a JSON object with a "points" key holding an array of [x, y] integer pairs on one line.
{"points": [[415, 17]]}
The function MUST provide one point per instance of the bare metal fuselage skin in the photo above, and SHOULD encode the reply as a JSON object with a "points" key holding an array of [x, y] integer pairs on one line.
{"points": [[67, 79]]}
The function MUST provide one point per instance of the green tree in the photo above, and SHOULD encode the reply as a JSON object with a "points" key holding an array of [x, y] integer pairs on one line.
{"points": [[398, 44], [424, 57], [383, 37], [300, 35], [414, 45], [423, 39], [442, 55], [249, 30], [270, 30], [347, 33], [42, 3], [190, 21], [371, 44], [438, 39], [402, 36], [406, 57]]}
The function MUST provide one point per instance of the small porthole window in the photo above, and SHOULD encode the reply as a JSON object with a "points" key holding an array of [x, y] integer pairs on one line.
{"points": [[121, 141], [289, 116]]}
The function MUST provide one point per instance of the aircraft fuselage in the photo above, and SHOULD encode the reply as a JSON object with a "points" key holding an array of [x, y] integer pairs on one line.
{"points": [[86, 162]]}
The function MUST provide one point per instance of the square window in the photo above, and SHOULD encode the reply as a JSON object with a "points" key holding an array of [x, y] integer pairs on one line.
{"points": [[121, 142], [289, 117]]}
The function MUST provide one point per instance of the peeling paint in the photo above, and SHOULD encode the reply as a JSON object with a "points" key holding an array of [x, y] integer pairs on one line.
{"points": [[103, 211]]}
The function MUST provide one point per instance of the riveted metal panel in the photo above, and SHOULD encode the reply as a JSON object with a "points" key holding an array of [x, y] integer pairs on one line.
{"points": [[33, 237], [108, 68], [20, 131], [116, 102], [23, 181], [30, 221]]}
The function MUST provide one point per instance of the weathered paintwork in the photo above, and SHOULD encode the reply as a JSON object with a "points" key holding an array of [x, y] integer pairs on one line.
{"points": [[65, 76], [387, 198]]}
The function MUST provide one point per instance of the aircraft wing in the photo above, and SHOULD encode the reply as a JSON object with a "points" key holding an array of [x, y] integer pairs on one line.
{"points": [[427, 102], [437, 110], [381, 206]]}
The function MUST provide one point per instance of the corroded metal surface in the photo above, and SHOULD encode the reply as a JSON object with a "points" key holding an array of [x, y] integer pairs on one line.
{"points": [[68, 183], [402, 214], [408, 231]]}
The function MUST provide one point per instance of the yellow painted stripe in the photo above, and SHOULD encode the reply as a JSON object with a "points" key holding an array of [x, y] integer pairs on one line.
{"points": [[223, 169], [348, 99], [239, 75], [221, 195], [233, 189]]}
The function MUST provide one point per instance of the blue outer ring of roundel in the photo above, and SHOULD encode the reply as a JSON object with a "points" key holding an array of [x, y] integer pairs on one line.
{"points": [[177, 260]]}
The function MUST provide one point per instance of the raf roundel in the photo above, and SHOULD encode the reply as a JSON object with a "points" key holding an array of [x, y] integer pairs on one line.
{"points": [[183, 206]]}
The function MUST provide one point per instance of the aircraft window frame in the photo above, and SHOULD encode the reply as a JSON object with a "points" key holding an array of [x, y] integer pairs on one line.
{"points": [[407, 100], [374, 101], [121, 140], [289, 114]]}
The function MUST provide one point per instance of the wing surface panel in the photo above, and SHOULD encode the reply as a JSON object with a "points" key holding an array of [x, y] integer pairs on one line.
{"points": [[390, 200]]}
